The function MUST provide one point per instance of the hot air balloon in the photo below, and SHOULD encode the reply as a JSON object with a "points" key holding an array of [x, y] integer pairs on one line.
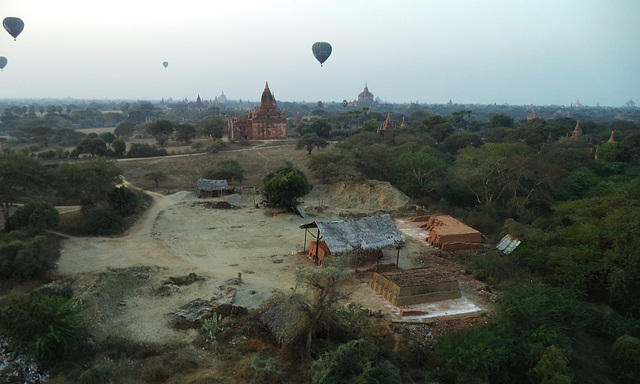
{"points": [[3, 62], [13, 25], [165, 63], [321, 51]]}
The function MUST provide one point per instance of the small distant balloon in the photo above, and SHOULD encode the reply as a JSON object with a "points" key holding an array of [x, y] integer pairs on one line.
{"points": [[321, 51], [13, 25], [3, 62], [165, 64]]}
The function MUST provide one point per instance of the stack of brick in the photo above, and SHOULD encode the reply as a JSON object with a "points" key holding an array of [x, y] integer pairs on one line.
{"points": [[449, 234], [415, 286]]}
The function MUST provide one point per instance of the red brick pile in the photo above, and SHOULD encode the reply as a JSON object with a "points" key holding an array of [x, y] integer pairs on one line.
{"points": [[449, 234]]}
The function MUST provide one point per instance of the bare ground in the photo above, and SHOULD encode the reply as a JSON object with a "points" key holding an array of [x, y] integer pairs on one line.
{"points": [[118, 278]]}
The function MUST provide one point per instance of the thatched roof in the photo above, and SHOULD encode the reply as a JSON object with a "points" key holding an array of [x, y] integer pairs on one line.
{"points": [[279, 320], [212, 185], [369, 233]]}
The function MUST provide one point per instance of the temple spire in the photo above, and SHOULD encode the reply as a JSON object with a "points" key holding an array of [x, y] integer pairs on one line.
{"points": [[577, 131]]}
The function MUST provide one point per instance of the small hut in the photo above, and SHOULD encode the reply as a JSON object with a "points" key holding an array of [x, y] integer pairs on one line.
{"points": [[366, 236], [415, 286], [212, 188]]}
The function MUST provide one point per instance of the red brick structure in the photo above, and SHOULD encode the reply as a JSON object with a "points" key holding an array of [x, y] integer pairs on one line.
{"points": [[387, 126], [415, 286], [449, 234], [365, 97], [263, 122]]}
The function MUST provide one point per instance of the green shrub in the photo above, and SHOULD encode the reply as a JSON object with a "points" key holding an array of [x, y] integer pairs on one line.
{"points": [[145, 150], [50, 328], [216, 147], [211, 327], [27, 257], [124, 201], [103, 222], [357, 361], [267, 369], [198, 145], [29, 262], [625, 357], [34, 217]]}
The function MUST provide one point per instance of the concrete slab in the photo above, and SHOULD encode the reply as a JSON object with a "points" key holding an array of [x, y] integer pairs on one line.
{"points": [[456, 308], [411, 229], [463, 307]]}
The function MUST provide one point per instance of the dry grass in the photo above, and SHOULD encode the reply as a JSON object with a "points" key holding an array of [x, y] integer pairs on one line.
{"points": [[184, 171]]}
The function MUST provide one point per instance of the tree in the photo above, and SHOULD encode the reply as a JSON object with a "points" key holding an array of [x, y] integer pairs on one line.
{"points": [[157, 177], [311, 141], [501, 120], [421, 172], [533, 132], [504, 173], [119, 147], [225, 170], [284, 186], [88, 181], [613, 152], [333, 165], [20, 177], [625, 357], [161, 130], [125, 129], [212, 127], [40, 134], [437, 127], [459, 140], [321, 289], [319, 127], [124, 201], [35, 217], [185, 132], [93, 146], [107, 137], [370, 126]]}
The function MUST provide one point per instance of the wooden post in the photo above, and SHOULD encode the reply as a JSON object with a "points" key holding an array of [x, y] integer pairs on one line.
{"points": [[398, 257], [304, 247], [317, 246]]}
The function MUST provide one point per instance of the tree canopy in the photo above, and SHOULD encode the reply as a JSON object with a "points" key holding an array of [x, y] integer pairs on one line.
{"points": [[89, 181], [21, 177], [285, 186]]}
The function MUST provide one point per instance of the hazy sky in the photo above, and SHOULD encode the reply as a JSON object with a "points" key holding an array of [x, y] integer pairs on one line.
{"points": [[505, 51]]}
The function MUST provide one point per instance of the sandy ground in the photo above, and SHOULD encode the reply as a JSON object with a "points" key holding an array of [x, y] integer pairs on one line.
{"points": [[118, 277]]}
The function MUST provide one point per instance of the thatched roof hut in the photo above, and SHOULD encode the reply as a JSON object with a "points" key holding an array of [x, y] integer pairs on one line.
{"points": [[280, 320], [364, 235], [212, 188]]}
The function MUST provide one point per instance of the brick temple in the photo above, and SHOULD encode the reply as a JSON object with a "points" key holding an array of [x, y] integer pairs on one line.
{"points": [[263, 122]]}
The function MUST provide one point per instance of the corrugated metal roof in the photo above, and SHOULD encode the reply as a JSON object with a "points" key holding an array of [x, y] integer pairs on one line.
{"points": [[212, 185], [367, 234], [508, 244]]}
